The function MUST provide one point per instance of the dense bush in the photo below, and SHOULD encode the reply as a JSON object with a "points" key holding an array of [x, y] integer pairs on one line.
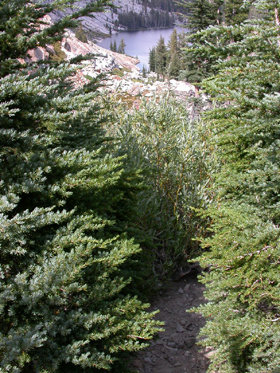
{"points": [[243, 285], [66, 206], [178, 165]]}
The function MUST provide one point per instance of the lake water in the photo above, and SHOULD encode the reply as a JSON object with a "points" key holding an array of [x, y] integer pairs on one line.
{"points": [[139, 43]]}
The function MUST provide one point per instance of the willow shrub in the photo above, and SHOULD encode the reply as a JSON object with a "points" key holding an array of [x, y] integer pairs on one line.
{"points": [[178, 164]]}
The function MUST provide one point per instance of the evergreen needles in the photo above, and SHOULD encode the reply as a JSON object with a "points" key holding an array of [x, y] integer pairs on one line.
{"points": [[63, 234], [243, 253]]}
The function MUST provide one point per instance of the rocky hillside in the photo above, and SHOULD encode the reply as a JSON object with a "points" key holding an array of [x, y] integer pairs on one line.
{"points": [[104, 60], [123, 78], [102, 24]]}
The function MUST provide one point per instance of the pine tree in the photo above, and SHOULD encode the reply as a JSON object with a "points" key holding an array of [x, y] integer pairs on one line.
{"points": [[243, 253], [235, 11], [121, 48], [173, 42], [174, 66], [114, 46], [198, 63], [161, 57], [144, 72], [173, 60], [152, 59], [202, 13], [64, 208], [80, 34]]}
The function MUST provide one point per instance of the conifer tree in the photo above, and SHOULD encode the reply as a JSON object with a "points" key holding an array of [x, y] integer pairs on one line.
{"points": [[202, 13], [121, 48], [161, 57], [58, 54], [80, 34], [114, 46], [65, 202], [198, 63], [173, 42], [144, 71], [243, 284], [174, 66], [152, 59], [235, 11], [173, 55]]}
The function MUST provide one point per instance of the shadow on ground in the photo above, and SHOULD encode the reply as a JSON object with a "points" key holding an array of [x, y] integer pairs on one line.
{"points": [[175, 351]]}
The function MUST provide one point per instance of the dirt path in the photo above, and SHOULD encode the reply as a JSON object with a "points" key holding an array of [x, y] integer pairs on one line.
{"points": [[175, 350]]}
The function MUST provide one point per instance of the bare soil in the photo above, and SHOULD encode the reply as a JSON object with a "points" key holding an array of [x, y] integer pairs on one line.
{"points": [[175, 350]]}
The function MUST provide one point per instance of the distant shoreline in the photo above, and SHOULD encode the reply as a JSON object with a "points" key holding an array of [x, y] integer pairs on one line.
{"points": [[138, 29]]}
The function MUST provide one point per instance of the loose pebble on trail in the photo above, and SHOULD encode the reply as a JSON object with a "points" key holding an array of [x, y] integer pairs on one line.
{"points": [[175, 350]]}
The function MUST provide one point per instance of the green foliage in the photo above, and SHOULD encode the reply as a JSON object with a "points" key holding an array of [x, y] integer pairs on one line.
{"points": [[166, 61], [174, 63], [144, 72], [161, 57], [173, 42], [176, 162], [202, 13], [169, 60], [20, 35], [120, 72], [174, 66], [67, 207], [155, 18], [152, 59], [80, 34], [121, 48], [58, 55], [113, 46], [243, 285], [235, 11]]}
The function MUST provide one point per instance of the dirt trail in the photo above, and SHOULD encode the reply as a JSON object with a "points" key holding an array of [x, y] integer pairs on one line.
{"points": [[175, 350]]}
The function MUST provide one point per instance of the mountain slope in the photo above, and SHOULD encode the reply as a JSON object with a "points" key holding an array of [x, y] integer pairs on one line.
{"points": [[108, 22]]}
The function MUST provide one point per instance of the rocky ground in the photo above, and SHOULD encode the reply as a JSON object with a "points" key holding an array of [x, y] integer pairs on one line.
{"points": [[175, 350], [102, 24], [124, 78], [98, 26]]}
